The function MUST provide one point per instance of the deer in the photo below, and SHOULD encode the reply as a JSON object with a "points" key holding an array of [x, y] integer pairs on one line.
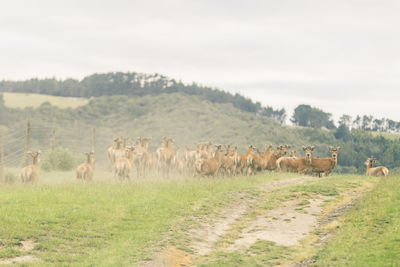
{"points": [[296, 164], [141, 155], [30, 173], [375, 171], [190, 158], [209, 167], [244, 162], [166, 155], [228, 161], [85, 170], [325, 165], [111, 150], [204, 150], [275, 156], [123, 165], [261, 159]]}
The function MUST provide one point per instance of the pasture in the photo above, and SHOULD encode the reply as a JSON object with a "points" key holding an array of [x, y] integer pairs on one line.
{"points": [[150, 221], [23, 100]]}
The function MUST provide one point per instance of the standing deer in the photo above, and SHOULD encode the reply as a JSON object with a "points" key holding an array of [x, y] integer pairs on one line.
{"points": [[295, 164], [375, 171], [123, 165], [274, 157], [325, 165], [30, 173], [85, 170], [142, 158], [210, 166], [166, 156]]}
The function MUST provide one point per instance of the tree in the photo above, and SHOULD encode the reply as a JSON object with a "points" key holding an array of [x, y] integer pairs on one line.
{"points": [[343, 133], [366, 122], [277, 115], [378, 125], [391, 125], [305, 115], [357, 122], [345, 120]]}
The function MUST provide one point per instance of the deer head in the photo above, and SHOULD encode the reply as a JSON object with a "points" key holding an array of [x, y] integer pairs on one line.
{"points": [[334, 152]]}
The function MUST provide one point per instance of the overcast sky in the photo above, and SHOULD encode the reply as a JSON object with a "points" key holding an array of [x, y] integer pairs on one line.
{"points": [[340, 56]]}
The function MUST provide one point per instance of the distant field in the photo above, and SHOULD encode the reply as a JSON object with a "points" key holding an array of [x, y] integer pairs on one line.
{"points": [[391, 136], [21, 100]]}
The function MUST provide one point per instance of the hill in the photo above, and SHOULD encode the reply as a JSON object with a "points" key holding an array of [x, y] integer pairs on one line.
{"points": [[187, 119], [135, 84]]}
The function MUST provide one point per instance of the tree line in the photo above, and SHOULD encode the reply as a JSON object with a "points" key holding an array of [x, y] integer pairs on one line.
{"points": [[138, 84]]}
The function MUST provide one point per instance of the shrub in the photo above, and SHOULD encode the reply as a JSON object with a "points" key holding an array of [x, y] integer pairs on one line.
{"points": [[10, 178], [59, 160]]}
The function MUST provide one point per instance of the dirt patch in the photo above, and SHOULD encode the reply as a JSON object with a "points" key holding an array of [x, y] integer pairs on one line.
{"points": [[27, 246], [285, 225], [277, 184], [20, 259], [207, 234], [171, 257]]}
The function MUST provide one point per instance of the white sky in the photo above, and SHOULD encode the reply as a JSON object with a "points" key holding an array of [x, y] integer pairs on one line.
{"points": [[342, 56]]}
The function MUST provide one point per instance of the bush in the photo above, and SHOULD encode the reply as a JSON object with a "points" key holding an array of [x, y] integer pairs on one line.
{"points": [[59, 160], [10, 178], [346, 170]]}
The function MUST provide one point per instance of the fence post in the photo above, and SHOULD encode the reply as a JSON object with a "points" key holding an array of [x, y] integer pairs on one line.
{"points": [[53, 138], [2, 156], [93, 139], [76, 136], [28, 142]]}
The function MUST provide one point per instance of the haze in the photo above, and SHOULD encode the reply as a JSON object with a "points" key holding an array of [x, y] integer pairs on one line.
{"points": [[340, 56]]}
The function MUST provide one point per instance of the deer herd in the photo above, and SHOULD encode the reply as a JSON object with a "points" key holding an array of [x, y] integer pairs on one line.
{"points": [[126, 156]]}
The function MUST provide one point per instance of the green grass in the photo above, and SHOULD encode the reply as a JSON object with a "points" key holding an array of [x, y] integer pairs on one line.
{"points": [[21, 100], [370, 235], [265, 253], [106, 223]]}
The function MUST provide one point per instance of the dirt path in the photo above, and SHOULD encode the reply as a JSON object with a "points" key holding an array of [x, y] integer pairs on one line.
{"points": [[284, 225], [331, 221], [27, 246], [205, 237]]}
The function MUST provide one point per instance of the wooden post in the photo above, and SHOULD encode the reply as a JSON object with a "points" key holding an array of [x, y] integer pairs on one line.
{"points": [[53, 138], [76, 136], [93, 139], [2, 156], [28, 142]]}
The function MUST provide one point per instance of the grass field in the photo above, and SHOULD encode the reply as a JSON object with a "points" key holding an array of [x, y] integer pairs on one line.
{"points": [[370, 233], [107, 223], [21, 100]]}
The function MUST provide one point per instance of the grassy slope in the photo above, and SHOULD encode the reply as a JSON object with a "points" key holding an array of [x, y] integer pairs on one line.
{"points": [[187, 119], [20, 100], [370, 235]]}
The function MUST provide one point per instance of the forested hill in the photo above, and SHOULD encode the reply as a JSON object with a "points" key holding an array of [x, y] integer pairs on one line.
{"points": [[135, 84]]}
